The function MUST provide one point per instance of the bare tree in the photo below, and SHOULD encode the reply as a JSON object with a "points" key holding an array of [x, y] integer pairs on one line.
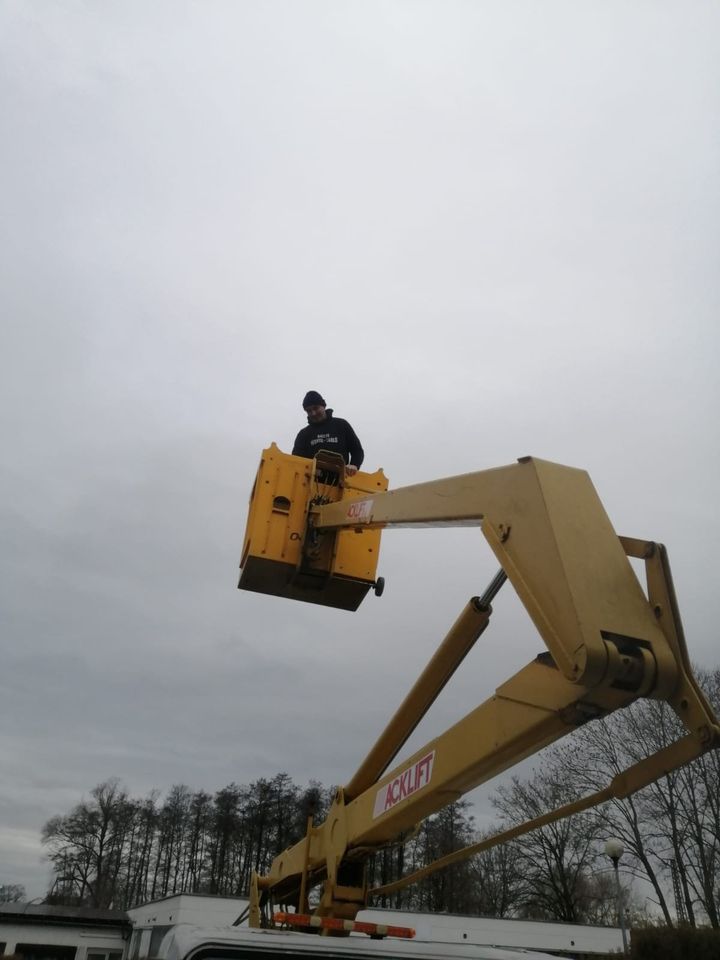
{"points": [[698, 814], [199, 821], [601, 750], [497, 880], [172, 822], [11, 892], [556, 860], [86, 844], [449, 889], [139, 854]]}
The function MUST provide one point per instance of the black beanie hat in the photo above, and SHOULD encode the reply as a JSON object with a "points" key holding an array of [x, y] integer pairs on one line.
{"points": [[313, 399]]}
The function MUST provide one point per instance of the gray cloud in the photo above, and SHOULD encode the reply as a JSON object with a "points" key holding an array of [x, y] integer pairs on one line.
{"points": [[481, 232]]}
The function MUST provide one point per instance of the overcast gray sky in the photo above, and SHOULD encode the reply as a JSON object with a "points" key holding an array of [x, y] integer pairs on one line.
{"points": [[480, 229]]}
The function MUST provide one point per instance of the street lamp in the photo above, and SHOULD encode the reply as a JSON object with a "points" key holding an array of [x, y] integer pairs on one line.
{"points": [[614, 849]]}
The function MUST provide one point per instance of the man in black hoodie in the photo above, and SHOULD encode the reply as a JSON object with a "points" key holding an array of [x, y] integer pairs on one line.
{"points": [[326, 432]]}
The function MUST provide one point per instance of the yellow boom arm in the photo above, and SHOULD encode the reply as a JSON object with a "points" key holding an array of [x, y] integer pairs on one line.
{"points": [[608, 644]]}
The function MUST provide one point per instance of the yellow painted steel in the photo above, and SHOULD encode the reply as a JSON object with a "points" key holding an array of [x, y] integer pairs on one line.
{"points": [[550, 533], [451, 652], [609, 642], [282, 557]]}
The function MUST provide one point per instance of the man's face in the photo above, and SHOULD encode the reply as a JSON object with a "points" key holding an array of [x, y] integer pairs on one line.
{"points": [[316, 414]]}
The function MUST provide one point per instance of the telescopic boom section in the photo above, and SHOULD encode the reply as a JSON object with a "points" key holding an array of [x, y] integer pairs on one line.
{"points": [[609, 643]]}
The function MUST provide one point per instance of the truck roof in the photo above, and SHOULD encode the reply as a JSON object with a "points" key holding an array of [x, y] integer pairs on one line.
{"points": [[187, 942]]}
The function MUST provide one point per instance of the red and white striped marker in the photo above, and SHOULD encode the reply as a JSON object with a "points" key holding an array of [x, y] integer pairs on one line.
{"points": [[349, 926]]}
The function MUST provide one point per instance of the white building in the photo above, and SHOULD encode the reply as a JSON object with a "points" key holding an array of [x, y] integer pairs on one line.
{"points": [[43, 932]]}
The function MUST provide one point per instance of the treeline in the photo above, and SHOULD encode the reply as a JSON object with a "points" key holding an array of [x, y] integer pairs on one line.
{"points": [[113, 850]]}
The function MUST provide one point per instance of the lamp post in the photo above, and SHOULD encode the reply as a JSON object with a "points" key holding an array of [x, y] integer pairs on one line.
{"points": [[614, 849]]}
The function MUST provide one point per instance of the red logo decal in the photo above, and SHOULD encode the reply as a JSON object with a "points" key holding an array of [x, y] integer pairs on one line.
{"points": [[359, 510], [405, 784]]}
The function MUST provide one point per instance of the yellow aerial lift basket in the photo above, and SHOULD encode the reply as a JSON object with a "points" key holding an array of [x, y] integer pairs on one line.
{"points": [[285, 556]]}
